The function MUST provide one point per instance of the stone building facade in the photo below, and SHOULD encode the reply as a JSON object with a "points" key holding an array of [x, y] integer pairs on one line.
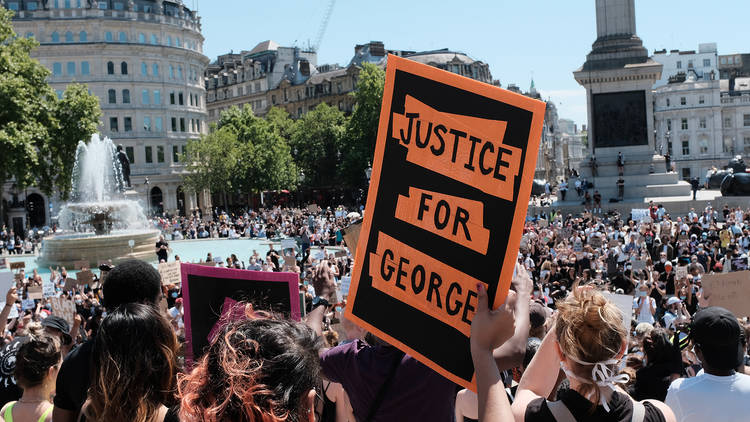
{"points": [[143, 59]]}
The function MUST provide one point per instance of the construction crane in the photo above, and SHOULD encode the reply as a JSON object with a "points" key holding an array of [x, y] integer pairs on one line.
{"points": [[323, 25]]}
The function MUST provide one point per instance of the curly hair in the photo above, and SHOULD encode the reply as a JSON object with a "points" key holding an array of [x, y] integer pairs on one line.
{"points": [[590, 329], [257, 370], [134, 366]]}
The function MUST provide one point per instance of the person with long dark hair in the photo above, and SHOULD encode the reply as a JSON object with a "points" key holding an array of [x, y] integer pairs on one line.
{"points": [[133, 378]]}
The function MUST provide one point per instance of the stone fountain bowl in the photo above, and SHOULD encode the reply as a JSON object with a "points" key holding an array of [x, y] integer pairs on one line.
{"points": [[65, 249]]}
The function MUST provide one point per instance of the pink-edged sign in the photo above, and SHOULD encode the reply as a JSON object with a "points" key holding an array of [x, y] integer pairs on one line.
{"points": [[205, 290]]}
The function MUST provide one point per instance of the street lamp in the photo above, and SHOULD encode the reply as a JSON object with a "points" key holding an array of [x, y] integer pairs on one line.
{"points": [[368, 172], [148, 199]]}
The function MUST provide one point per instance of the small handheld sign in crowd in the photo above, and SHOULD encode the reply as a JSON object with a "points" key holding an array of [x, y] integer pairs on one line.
{"points": [[450, 186]]}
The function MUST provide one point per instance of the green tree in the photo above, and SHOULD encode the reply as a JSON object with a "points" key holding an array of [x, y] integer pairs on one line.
{"points": [[211, 162], [316, 144], [280, 122], [37, 131], [359, 143]]}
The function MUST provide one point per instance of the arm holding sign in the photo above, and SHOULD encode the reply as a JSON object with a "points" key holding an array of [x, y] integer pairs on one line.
{"points": [[489, 330], [10, 300], [511, 353]]}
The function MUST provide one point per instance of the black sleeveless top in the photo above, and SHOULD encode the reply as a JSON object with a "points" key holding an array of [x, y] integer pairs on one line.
{"points": [[620, 409]]}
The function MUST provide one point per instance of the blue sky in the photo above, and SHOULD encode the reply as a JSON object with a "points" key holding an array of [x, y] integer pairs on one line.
{"points": [[543, 39]]}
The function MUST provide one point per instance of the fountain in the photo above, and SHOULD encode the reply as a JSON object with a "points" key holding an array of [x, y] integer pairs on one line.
{"points": [[99, 223]]}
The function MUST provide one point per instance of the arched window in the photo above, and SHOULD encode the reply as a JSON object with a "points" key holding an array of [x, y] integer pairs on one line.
{"points": [[144, 69], [142, 38], [108, 36], [55, 37], [179, 42], [155, 69], [68, 36], [124, 68], [110, 68], [169, 40], [126, 96], [154, 39], [123, 37], [111, 96], [83, 36]]}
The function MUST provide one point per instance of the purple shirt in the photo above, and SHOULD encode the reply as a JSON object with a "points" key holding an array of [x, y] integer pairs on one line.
{"points": [[416, 393]]}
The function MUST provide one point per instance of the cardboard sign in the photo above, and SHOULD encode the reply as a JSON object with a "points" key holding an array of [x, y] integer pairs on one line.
{"points": [[170, 272], [6, 282], [640, 214], [79, 265], [3, 263], [35, 292], [595, 242], [18, 277], [728, 290], [85, 277], [64, 308], [70, 284], [27, 304], [340, 254], [639, 265], [681, 272], [205, 289], [351, 236], [345, 285], [17, 265], [448, 197]]}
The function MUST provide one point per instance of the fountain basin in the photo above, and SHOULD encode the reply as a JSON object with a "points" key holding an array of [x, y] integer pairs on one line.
{"points": [[65, 249]]}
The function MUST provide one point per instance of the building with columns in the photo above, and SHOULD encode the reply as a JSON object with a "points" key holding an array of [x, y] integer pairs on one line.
{"points": [[143, 59]]}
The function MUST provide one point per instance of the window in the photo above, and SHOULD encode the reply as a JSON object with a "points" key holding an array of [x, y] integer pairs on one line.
{"points": [[702, 123], [701, 99], [179, 72], [169, 40], [157, 124], [746, 120], [273, 99], [144, 69], [181, 98], [154, 39], [706, 62], [171, 71], [59, 94], [175, 154], [679, 64], [145, 97], [142, 38], [747, 144], [103, 5], [686, 173], [83, 36], [685, 147], [160, 154], [171, 98], [147, 124], [108, 36], [199, 124], [13, 5], [57, 69], [727, 145], [182, 124], [110, 68], [119, 6], [669, 124], [124, 68], [85, 68], [112, 96], [684, 124], [690, 64], [113, 124], [55, 37], [123, 36], [157, 97], [31, 5], [174, 124], [149, 155], [29, 35], [191, 98], [128, 124], [131, 154], [727, 122], [178, 42], [155, 69], [704, 146], [667, 102], [126, 96], [71, 68], [683, 101]]}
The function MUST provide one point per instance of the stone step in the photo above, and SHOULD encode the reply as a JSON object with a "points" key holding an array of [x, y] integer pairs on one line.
{"points": [[638, 179]]}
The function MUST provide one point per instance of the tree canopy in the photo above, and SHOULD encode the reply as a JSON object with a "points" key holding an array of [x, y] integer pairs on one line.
{"points": [[38, 132]]}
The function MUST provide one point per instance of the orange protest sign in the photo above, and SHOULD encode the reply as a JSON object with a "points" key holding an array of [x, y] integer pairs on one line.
{"points": [[451, 179]]}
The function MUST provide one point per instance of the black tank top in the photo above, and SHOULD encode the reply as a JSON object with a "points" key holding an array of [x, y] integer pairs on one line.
{"points": [[621, 409]]}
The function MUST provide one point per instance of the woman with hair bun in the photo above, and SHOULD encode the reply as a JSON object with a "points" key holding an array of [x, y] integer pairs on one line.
{"points": [[255, 370], [587, 344], [37, 363]]}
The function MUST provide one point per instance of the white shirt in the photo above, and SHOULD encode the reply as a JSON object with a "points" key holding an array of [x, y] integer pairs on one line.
{"points": [[645, 315], [710, 398]]}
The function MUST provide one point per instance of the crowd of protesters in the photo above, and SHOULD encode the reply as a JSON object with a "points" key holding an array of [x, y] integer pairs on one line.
{"points": [[557, 349]]}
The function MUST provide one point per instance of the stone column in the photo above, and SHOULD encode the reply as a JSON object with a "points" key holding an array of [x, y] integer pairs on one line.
{"points": [[615, 17]]}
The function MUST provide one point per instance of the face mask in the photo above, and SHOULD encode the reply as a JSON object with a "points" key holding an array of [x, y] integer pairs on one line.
{"points": [[174, 295], [79, 302], [663, 260]]}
